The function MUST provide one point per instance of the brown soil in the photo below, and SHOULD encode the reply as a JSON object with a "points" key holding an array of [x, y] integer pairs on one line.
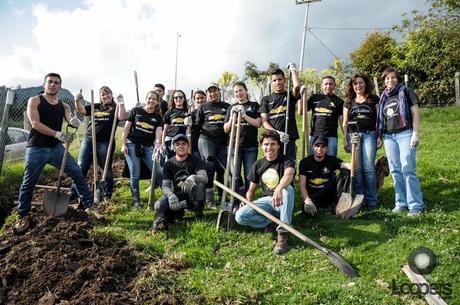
{"points": [[55, 261]]}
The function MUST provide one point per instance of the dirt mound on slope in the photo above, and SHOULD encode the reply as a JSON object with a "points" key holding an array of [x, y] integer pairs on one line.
{"points": [[56, 261]]}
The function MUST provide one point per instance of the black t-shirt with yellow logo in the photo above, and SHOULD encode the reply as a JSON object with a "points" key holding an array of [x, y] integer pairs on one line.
{"points": [[248, 133], [269, 173], [318, 173], [177, 171], [326, 110], [211, 118], [103, 118], [364, 114], [143, 126], [175, 119], [275, 105]]}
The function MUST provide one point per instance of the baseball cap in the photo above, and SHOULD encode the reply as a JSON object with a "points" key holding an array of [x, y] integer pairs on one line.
{"points": [[321, 140], [212, 85], [178, 137]]}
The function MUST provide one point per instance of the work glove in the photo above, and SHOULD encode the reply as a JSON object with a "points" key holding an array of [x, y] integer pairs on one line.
{"points": [[174, 203], [284, 137], [75, 122], [414, 140], [64, 137], [309, 207], [241, 110], [188, 184], [188, 121], [120, 99], [355, 138], [292, 67], [78, 96]]}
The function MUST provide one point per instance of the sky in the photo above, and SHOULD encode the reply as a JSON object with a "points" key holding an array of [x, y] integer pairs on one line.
{"points": [[92, 43]]}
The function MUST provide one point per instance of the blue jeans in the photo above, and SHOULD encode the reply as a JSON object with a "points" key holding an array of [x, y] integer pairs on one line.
{"points": [[247, 216], [365, 177], [85, 160], [134, 164], [402, 163], [214, 157], [331, 146], [246, 157], [35, 160]]}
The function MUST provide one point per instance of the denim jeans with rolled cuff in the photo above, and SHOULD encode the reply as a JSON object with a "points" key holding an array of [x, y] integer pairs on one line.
{"points": [[35, 160], [248, 216], [85, 160], [402, 163], [134, 164]]}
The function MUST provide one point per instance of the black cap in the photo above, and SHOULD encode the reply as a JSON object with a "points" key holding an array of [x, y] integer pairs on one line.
{"points": [[321, 140], [212, 85], [178, 137]]}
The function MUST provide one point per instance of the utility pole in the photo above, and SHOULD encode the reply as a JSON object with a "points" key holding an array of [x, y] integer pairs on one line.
{"points": [[177, 56], [305, 29]]}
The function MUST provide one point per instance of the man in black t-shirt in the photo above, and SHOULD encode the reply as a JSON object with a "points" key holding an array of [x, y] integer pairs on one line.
{"points": [[273, 109], [160, 89], [317, 179], [327, 109], [184, 180], [275, 172]]}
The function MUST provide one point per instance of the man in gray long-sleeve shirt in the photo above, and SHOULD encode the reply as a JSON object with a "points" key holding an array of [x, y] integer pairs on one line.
{"points": [[184, 186]]}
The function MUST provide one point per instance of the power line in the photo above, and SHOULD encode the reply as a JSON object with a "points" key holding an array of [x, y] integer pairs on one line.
{"points": [[316, 37], [350, 29]]}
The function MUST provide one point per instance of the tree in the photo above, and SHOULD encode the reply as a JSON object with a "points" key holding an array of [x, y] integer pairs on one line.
{"points": [[259, 78], [227, 80], [377, 52]]}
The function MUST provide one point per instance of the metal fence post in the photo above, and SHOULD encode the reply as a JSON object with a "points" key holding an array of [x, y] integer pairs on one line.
{"points": [[457, 88], [406, 80], [3, 133]]}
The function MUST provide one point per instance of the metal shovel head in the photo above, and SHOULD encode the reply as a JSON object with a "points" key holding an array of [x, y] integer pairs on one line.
{"points": [[357, 202], [344, 204], [55, 203], [340, 262]]}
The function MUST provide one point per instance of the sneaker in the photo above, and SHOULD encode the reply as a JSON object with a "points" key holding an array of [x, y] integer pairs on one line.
{"points": [[413, 213], [212, 205], [137, 205], [281, 244], [398, 210]]}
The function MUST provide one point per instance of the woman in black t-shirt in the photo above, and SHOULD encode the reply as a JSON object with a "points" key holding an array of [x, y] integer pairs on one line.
{"points": [[173, 119], [398, 125], [360, 109], [248, 145], [104, 114], [142, 131]]}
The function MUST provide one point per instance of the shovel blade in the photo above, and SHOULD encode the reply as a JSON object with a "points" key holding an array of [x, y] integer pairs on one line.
{"points": [[55, 203], [343, 205], [342, 264], [357, 202]]}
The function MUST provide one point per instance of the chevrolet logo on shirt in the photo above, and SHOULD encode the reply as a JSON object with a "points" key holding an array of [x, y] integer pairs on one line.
{"points": [[145, 125], [323, 110], [177, 120], [216, 117], [280, 109], [319, 181], [101, 114]]}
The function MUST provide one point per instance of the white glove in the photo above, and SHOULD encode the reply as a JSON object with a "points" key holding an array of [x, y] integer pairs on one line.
{"points": [[78, 96], [120, 99], [414, 140], [309, 207], [174, 203], [241, 110], [189, 184], [64, 137], [292, 67], [188, 121], [75, 122], [284, 137]]}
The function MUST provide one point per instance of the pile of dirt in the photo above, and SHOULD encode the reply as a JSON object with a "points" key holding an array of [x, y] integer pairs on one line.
{"points": [[56, 261]]}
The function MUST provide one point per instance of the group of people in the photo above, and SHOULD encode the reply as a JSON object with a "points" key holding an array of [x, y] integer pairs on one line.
{"points": [[195, 137]]}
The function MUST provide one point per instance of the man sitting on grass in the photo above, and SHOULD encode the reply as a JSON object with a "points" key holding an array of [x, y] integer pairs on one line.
{"points": [[184, 186], [317, 179], [276, 173]]}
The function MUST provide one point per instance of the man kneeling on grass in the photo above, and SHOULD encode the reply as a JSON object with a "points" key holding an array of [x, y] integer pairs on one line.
{"points": [[317, 179], [276, 172], [184, 186]]}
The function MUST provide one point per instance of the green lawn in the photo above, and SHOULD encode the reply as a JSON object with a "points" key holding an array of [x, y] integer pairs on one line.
{"points": [[195, 264]]}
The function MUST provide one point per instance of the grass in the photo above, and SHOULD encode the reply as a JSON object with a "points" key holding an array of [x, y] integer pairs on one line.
{"points": [[238, 267]]}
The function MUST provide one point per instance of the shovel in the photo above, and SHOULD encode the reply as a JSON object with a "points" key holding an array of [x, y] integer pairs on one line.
{"points": [[347, 206], [334, 257], [96, 185], [57, 203]]}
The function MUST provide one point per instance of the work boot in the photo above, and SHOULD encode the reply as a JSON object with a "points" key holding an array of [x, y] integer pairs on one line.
{"points": [[281, 244], [210, 201], [159, 224]]}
